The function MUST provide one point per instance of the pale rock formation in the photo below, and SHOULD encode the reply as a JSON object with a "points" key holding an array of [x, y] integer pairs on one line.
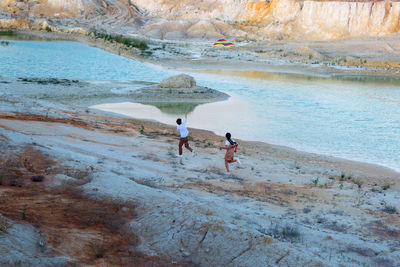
{"points": [[178, 81], [204, 30], [54, 8], [325, 19], [14, 24], [179, 88], [210, 19], [23, 245], [338, 19], [288, 18], [194, 9], [167, 29], [40, 24]]}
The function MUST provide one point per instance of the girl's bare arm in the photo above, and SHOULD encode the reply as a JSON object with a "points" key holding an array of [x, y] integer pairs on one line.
{"points": [[228, 147]]}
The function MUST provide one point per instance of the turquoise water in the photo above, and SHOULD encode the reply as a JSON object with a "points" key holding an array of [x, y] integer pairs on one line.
{"points": [[71, 60], [356, 119], [353, 120]]}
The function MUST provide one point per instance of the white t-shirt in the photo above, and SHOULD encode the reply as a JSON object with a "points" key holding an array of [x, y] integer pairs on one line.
{"points": [[227, 142], [182, 129]]}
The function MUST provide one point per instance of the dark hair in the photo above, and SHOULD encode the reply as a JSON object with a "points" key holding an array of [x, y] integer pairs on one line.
{"points": [[179, 121], [228, 136]]}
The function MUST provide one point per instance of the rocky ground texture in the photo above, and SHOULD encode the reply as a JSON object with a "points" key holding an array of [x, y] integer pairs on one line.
{"points": [[241, 19], [114, 190]]}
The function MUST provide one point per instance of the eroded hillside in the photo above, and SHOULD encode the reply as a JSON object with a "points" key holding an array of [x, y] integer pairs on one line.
{"points": [[207, 19]]}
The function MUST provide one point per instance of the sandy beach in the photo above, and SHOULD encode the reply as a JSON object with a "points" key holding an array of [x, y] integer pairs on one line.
{"points": [[280, 207]]}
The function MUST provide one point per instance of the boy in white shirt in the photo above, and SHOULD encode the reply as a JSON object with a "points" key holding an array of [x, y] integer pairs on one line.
{"points": [[181, 128]]}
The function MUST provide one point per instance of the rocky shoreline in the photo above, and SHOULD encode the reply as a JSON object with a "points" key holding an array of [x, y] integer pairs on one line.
{"points": [[111, 190], [280, 207], [339, 59]]}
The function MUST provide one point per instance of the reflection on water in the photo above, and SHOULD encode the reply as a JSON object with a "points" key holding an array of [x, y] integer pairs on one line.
{"points": [[335, 117], [14, 36], [371, 79], [219, 117], [349, 119], [173, 108], [294, 77]]}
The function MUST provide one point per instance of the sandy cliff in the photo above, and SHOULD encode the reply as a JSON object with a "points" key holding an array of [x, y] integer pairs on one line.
{"points": [[243, 19], [51, 8], [325, 19], [260, 19]]}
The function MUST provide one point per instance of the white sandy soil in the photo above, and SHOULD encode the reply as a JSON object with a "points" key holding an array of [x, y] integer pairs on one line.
{"points": [[280, 207]]}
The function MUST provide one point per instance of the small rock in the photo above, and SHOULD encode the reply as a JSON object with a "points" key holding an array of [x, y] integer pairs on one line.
{"points": [[184, 252], [14, 182], [37, 178], [41, 243]]}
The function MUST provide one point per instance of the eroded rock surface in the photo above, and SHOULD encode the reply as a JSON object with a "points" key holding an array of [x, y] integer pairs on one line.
{"points": [[208, 19], [269, 213], [178, 81]]}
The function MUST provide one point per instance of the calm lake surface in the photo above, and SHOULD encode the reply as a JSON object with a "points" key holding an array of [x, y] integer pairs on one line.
{"points": [[356, 119]]}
